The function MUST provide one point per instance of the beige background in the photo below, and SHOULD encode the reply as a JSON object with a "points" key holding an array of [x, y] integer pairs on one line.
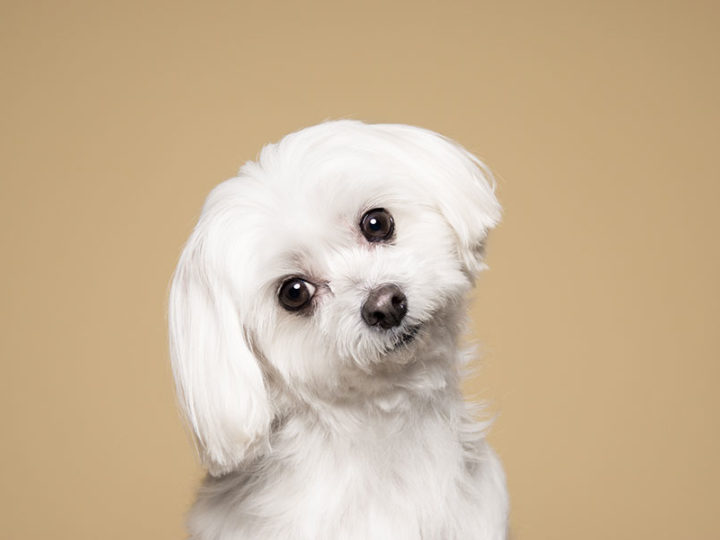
{"points": [[599, 315]]}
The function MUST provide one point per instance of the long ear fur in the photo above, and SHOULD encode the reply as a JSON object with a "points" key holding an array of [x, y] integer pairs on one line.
{"points": [[219, 383], [462, 186]]}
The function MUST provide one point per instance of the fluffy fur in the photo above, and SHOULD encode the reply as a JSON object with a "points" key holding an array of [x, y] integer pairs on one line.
{"points": [[315, 425]]}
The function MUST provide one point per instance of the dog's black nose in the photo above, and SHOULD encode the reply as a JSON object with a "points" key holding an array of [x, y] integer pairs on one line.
{"points": [[385, 306]]}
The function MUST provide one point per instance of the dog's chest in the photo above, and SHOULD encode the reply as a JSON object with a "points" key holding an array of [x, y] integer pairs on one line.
{"points": [[374, 488], [414, 484]]}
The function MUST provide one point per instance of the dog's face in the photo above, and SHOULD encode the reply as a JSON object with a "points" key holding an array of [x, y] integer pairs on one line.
{"points": [[345, 249]]}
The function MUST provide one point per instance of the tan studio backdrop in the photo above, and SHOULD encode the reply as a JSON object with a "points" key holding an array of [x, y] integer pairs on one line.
{"points": [[599, 316]]}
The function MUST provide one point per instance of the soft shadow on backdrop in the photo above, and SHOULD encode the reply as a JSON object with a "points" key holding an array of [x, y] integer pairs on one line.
{"points": [[599, 315]]}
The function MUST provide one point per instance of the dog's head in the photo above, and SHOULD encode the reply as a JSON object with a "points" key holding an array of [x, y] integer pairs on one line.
{"points": [[343, 249]]}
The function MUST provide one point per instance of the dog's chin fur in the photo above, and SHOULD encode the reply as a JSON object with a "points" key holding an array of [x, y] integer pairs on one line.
{"points": [[315, 424]]}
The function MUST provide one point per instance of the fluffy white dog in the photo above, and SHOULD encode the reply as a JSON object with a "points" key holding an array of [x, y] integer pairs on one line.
{"points": [[314, 323]]}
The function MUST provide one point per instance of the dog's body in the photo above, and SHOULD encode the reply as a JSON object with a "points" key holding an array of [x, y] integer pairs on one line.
{"points": [[405, 476], [314, 324]]}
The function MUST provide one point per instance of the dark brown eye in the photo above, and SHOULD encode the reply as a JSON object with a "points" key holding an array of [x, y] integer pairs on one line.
{"points": [[295, 294], [377, 225]]}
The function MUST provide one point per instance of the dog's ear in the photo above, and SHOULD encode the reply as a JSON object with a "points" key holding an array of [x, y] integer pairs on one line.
{"points": [[469, 204], [460, 184], [219, 382]]}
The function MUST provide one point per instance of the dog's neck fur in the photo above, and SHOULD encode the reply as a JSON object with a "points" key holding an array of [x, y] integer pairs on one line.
{"points": [[425, 382]]}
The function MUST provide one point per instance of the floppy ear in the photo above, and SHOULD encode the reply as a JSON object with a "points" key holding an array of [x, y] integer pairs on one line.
{"points": [[219, 383], [462, 186], [470, 206]]}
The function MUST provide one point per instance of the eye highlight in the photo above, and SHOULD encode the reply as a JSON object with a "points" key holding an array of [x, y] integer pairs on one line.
{"points": [[295, 294], [377, 225]]}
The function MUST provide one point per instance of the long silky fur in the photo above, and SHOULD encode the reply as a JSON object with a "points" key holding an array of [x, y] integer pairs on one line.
{"points": [[314, 425]]}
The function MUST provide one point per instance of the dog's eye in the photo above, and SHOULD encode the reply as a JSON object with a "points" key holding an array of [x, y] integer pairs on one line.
{"points": [[295, 294], [377, 225]]}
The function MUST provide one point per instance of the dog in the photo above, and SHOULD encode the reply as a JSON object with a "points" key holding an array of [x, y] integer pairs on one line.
{"points": [[314, 323]]}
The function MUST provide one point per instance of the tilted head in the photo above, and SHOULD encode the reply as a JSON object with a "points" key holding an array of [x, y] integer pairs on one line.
{"points": [[343, 253]]}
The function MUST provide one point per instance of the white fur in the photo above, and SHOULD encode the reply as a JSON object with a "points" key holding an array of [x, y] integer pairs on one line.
{"points": [[316, 426]]}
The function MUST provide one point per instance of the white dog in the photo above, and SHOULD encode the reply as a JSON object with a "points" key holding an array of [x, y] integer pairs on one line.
{"points": [[314, 323]]}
